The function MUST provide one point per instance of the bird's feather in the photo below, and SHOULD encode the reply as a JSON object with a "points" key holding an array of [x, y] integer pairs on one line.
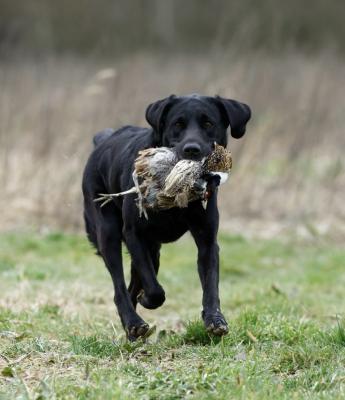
{"points": [[163, 182]]}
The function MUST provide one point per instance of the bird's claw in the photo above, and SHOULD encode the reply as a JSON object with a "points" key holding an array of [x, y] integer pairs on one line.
{"points": [[105, 198]]}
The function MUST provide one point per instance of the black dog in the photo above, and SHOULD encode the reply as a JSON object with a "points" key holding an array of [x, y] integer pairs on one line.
{"points": [[191, 125]]}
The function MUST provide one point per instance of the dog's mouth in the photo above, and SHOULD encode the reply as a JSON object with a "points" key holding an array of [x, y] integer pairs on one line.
{"points": [[199, 155], [192, 158]]}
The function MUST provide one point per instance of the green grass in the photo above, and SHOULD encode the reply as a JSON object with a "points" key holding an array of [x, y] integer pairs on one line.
{"points": [[61, 338]]}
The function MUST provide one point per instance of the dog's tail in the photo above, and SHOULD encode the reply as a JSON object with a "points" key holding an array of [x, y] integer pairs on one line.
{"points": [[100, 137]]}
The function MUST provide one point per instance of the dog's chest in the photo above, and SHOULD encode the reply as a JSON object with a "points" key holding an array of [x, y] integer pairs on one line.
{"points": [[166, 226]]}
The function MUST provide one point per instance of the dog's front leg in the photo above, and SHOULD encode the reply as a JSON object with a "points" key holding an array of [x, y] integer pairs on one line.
{"points": [[204, 228], [152, 294], [145, 261], [135, 287], [109, 245], [208, 268]]}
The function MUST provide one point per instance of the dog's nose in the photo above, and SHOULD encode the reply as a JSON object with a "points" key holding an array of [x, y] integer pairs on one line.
{"points": [[191, 150]]}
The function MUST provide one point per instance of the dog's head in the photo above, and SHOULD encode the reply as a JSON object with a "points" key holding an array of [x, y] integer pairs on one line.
{"points": [[191, 124]]}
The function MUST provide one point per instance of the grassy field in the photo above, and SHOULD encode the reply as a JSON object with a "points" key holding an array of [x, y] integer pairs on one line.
{"points": [[60, 336]]}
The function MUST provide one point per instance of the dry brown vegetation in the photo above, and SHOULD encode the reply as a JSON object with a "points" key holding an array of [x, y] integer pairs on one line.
{"points": [[289, 167]]}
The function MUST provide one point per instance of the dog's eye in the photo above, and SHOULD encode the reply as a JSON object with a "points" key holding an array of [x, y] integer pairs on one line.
{"points": [[179, 125], [207, 124]]}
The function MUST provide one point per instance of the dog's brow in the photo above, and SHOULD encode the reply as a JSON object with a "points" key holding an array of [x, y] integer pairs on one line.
{"points": [[181, 114], [204, 116]]}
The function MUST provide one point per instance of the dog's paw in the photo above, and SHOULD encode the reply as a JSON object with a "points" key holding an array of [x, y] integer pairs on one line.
{"points": [[151, 300], [215, 323], [136, 331]]}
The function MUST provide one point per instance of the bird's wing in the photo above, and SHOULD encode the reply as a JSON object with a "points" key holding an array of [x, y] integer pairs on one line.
{"points": [[182, 177]]}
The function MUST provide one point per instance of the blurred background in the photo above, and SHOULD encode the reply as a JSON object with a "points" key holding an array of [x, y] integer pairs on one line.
{"points": [[71, 68]]}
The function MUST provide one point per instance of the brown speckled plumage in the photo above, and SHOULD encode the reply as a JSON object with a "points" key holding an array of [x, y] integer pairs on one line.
{"points": [[219, 160]]}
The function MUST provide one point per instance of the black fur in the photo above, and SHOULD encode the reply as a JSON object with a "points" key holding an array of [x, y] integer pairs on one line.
{"points": [[101, 136], [190, 124]]}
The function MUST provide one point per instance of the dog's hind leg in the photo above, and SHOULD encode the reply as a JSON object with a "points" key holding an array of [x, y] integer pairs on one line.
{"points": [[91, 232], [109, 244]]}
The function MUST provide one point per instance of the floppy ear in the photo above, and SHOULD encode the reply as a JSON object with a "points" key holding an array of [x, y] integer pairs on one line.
{"points": [[236, 115], [155, 116]]}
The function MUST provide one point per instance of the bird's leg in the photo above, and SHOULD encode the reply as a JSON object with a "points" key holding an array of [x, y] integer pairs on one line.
{"points": [[107, 197]]}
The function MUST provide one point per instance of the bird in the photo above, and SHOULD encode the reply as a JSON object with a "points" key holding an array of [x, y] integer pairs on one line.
{"points": [[162, 181]]}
